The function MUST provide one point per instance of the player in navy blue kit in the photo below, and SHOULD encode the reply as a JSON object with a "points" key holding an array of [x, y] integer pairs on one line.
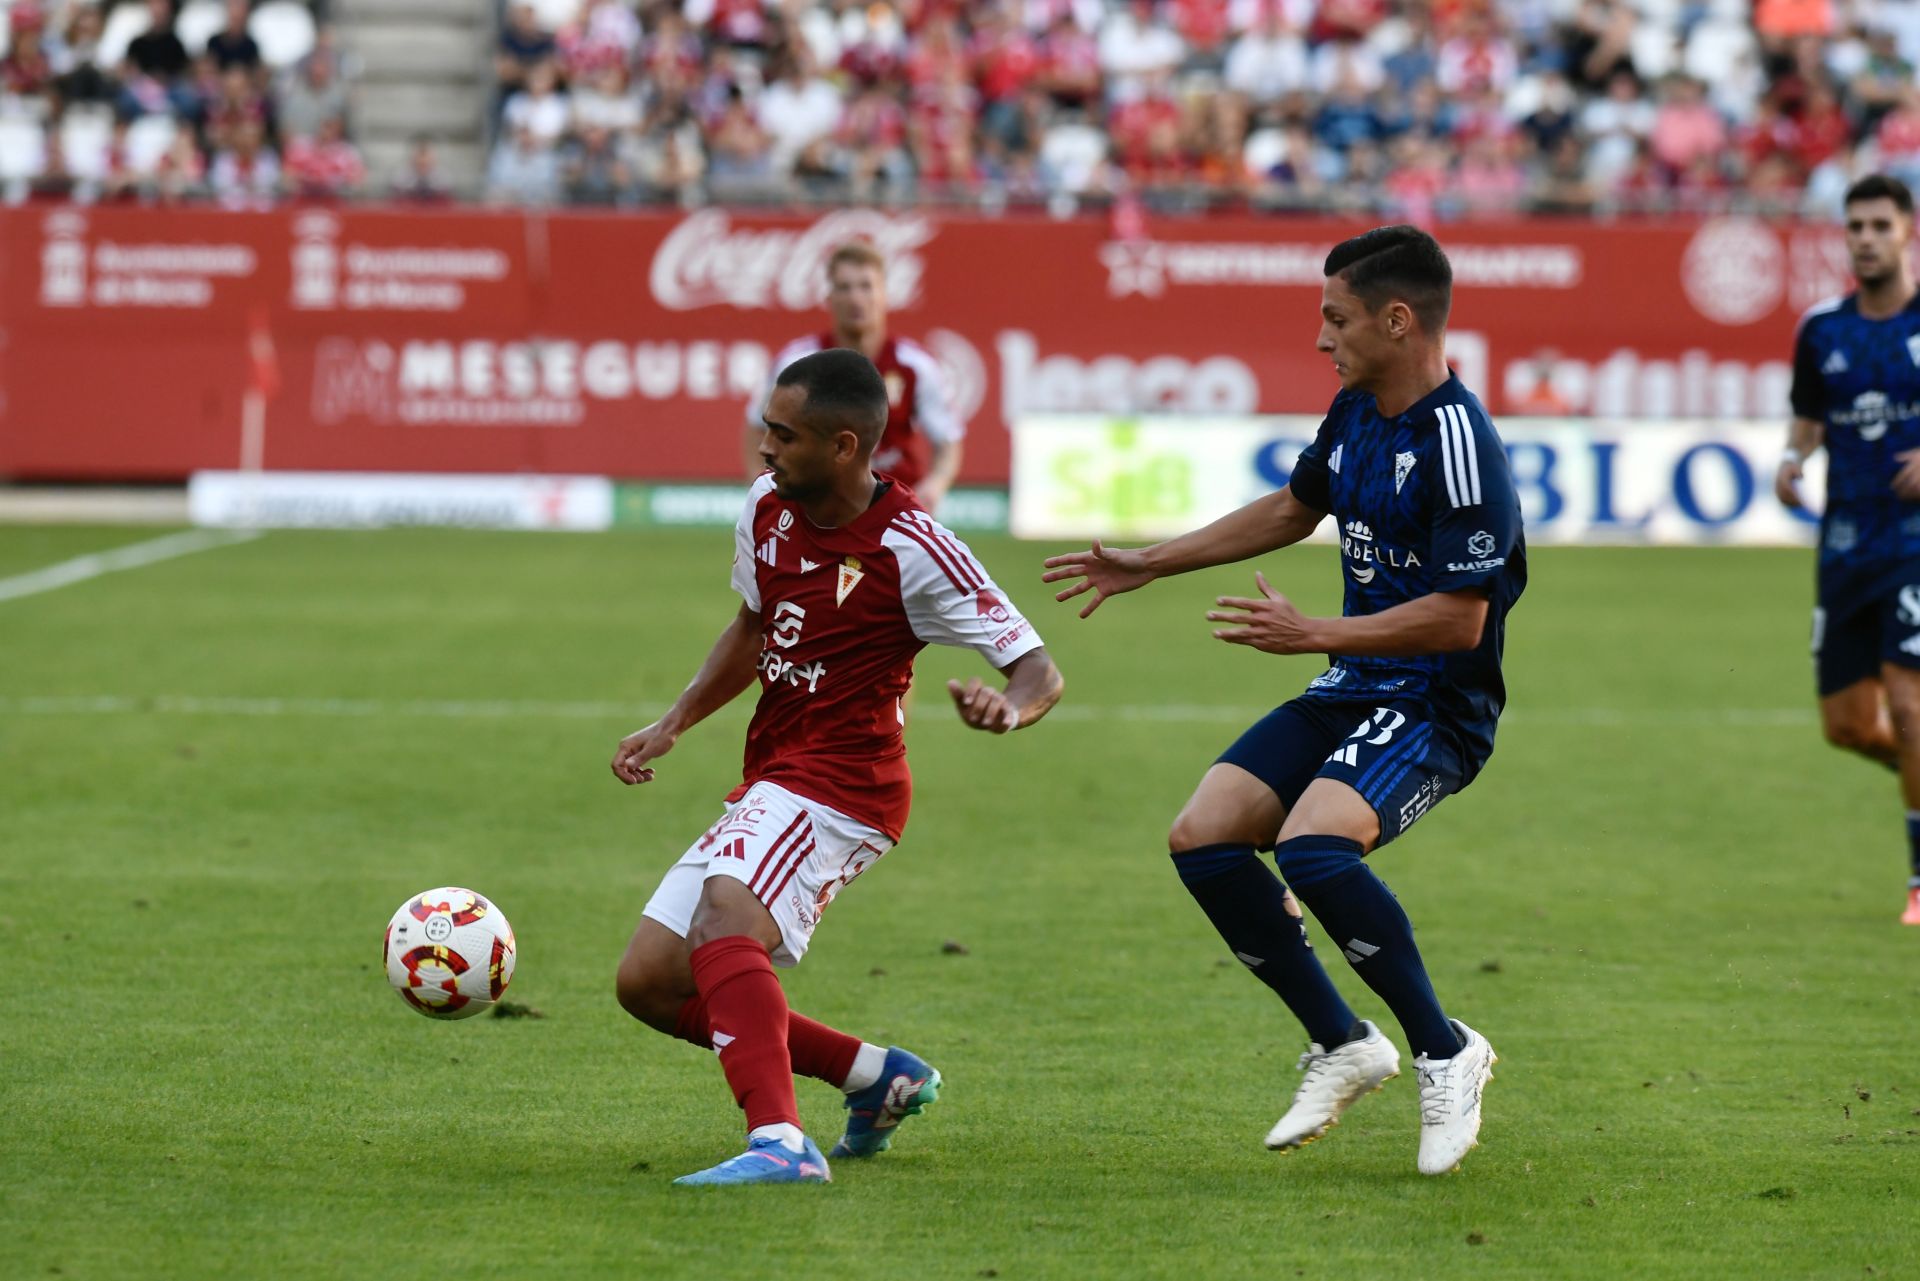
{"points": [[1409, 465], [1856, 388]]}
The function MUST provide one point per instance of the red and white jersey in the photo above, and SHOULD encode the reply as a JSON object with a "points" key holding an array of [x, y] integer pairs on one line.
{"points": [[919, 411], [842, 614]]}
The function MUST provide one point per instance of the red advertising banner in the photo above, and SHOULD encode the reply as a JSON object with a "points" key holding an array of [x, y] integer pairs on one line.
{"points": [[630, 345]]}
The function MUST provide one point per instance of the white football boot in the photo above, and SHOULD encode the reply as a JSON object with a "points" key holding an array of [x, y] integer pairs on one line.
{"points": [[1335, 1079], [1450, 1101]]}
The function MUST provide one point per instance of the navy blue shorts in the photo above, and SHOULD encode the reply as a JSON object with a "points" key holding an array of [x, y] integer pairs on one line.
{"points": [[1389, 750], [1854, 634]]}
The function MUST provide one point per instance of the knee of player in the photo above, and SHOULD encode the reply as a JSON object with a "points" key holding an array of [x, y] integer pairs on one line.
{"points": [[1190, 832], [1852, 735], [647, 996]]}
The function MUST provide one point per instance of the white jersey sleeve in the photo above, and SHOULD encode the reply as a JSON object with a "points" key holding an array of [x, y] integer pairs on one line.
{"points": [[933, 412], [781, 359], [745, 580], [948, 597]]}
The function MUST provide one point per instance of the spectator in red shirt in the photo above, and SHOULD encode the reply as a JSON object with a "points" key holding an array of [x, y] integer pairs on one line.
{"points": [[935, 53], [26, 71], [247, 173], [237, 101], [1476, 60], [1824, 130], [1070, 64], [1005, 61], [1686, 127], [325, 166], [941, 128], [1899, 137], [873, 136]]}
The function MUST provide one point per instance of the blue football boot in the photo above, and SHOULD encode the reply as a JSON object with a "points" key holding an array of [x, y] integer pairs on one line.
{"points": [[907, 1087], [766, 1161]]}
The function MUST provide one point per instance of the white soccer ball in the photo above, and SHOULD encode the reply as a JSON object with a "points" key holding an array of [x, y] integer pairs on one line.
{"points": [[449, 953]]}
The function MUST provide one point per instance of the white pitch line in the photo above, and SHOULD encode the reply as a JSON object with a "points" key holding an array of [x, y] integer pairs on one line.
{"points": [[538, 709], [82, 568]]}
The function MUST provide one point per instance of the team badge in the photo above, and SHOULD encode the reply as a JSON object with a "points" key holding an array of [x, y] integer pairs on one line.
{"points": [[896, 387], [1402, 465], [1913, 348], [850, 576]]}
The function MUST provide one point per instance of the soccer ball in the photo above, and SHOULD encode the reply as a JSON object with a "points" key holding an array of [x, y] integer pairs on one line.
{"points": [[449, 953]]}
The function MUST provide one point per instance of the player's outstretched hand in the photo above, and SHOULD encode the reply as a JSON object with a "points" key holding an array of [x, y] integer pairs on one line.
{"points": [[1906, 481], [983, 707], [1271, 623], [636, 749], [1786, 483], [1104, 571]]}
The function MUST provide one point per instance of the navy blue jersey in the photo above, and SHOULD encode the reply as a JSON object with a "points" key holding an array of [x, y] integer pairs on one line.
{"points": [[1860, 379], [1425, 504]]}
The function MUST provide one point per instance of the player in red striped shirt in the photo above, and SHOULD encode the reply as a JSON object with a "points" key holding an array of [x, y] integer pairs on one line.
{"points": [[921, 444], [843, 578]]}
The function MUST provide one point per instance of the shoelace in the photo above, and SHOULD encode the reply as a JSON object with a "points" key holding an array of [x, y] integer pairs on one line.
{"points": [[1314, 1065], [1436, 1095]]}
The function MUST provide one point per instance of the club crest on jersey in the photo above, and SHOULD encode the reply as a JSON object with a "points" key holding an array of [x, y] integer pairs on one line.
{"points": [[785, 522], [991, 606], [850, 576], [1913, 349], [896, 386], [1402, 465]]}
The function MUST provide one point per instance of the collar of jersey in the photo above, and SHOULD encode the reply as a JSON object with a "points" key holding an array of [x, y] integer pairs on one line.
{"points": [[1445, 394]]}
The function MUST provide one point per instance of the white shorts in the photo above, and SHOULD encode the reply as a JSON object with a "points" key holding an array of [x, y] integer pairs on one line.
{"points": [[793, 853]]}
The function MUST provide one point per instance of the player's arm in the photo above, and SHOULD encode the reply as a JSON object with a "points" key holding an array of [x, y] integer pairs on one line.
{"points": [[936, 417], [1266, 524], [1034, 685], [1804, 435], [943, 465], [1808, 396], [730, 667], [1437, 623]]}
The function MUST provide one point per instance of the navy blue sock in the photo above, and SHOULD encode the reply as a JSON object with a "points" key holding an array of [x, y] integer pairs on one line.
{"points": [[1366, 922], [1247, 904], [1913, 846]]}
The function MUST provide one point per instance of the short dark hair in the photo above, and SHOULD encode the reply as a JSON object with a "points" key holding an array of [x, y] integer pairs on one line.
{"points": [[1878, 186], [844, 392], [1397, 262]]}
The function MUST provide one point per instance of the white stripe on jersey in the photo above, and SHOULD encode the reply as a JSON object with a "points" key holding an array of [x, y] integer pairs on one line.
{"points": [[1446, 456], [1459, 459], [933, 411]]}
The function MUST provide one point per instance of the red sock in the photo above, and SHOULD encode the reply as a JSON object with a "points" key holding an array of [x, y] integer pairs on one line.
{"points": [[820, 1051], [692, 1026], [748, 1013], [816, 1049]]}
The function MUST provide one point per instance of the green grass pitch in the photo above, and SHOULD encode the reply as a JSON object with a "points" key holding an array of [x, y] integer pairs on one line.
{"points": [[1667, 903]]}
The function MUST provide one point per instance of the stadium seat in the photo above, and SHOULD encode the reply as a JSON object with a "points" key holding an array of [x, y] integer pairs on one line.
{"points": [[284, 31], [147, 142], [23, 150], [86, 143], [199, 22], [125, 24], [555, 14]]}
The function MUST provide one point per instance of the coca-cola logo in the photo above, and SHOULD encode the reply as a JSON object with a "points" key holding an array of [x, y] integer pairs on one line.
{"points": [[1734, 270], [707, 262]]}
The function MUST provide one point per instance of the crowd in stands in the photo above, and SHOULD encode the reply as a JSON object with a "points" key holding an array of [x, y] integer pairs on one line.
{"points": [[1418, 108], [1421, 108], [219, 100]]}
